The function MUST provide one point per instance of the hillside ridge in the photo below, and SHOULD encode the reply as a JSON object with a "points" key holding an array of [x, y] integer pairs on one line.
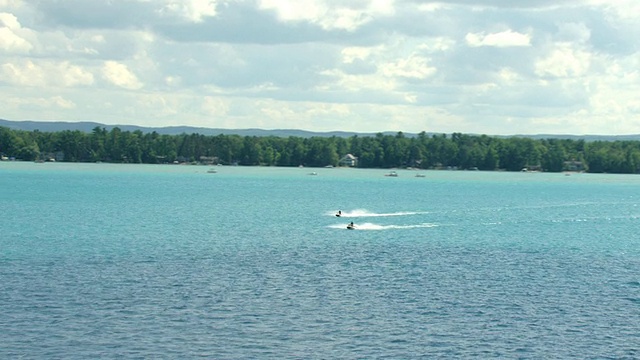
{"points": [[88, 126]]}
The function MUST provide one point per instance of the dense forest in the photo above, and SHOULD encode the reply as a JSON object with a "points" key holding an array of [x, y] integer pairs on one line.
{"points": [[458, 151]]}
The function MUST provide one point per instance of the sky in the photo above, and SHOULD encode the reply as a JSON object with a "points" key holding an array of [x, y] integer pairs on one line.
{"points": [[495, 67]]}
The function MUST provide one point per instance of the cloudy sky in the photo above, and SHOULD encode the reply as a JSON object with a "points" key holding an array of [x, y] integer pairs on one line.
{"points": [[496, 67]]}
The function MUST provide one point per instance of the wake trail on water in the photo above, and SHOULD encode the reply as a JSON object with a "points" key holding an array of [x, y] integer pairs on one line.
{"points": [[367, 213], [371, 226]]}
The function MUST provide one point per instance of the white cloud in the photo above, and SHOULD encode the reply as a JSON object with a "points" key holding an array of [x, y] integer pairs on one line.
{"points": [[118, 74], [82, 50], [28, 73], [172, 81], [158, 104], [412, 67], [10, 41], [40, 102], [260, 88], [564, 61], [62, 103], [98, 39], [215, 106], [330, 15], [508, 76], [430, 7], [325, 116], [193, 10], [625, 10], [10, 4], [350, 54], [615, 93], [437, 44], [355, 83], [501, 39], [576, 32], [9, 21], [389, 76], [74, 75]]}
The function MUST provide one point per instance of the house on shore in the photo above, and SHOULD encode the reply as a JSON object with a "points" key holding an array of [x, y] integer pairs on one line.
{"points": [[574, 166], [348, 160]]}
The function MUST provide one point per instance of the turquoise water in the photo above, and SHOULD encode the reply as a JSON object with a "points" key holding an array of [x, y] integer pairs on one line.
{"points": [[140, 261]]}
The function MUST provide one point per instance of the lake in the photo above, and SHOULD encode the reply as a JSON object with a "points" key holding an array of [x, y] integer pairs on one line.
{"points": [[170, 261]]}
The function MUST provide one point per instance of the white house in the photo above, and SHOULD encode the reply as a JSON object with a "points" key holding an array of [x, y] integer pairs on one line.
{"points": [[348, 160]]}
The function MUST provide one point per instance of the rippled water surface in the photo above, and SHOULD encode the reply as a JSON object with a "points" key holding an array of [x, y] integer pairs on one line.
{"points": [[133, 261]]}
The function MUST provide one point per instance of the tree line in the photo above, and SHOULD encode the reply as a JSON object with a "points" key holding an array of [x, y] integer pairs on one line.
{"points": [[457, 150]]}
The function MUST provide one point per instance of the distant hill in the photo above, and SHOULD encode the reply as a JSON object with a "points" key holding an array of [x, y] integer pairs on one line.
{"points": [[88, 126]]}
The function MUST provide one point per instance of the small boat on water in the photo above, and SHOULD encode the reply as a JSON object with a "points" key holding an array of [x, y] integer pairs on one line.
{"points": [[212, 171], [419, 175], [351, 226], [391, 173]]}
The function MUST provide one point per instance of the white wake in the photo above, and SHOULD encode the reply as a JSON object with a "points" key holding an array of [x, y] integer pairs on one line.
{"points": [[371, 226], [362, 213]]}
